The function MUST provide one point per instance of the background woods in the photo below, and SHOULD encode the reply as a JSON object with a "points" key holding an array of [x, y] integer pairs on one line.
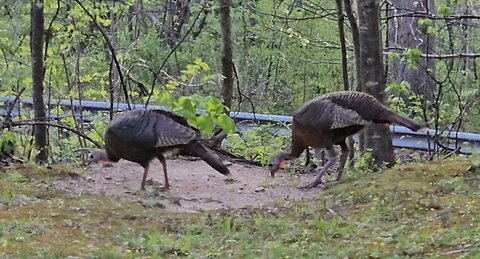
{"points": [[258, 56], [67, 67]]}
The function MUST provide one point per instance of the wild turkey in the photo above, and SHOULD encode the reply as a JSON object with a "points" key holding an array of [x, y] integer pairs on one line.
{"points": [[142, 135], [328, 120]]}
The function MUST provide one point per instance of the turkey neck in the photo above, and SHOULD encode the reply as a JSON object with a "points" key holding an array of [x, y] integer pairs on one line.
{"points": [[110, 156], [295, 152]]}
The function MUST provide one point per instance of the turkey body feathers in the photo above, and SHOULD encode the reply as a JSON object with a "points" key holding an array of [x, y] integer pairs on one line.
{"points": [[135, 135], [329, 119], [142, 135], [345, 109], [207, 155]]}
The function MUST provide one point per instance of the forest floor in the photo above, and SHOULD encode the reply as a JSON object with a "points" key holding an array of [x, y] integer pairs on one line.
{"points": [[425, 209], [195, 186]]}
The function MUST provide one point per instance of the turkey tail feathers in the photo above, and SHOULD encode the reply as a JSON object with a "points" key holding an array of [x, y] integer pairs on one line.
{"points": [[404, 121], [208, 156]]}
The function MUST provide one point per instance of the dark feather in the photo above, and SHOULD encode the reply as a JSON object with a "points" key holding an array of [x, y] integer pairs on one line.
{"points": [[329, 119], [142, 135], [344, 109]]}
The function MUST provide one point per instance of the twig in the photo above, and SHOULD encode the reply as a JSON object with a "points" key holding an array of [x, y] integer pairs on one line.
{"points": [[171, 52], [112, 50], [49, 34], [241, 94], [237, 158], [436, 56], [33, 123], [8, 116], [432, 17], [468, 248], [455, 150]]}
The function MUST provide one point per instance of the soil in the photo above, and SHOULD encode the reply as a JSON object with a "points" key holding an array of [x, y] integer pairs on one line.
{"points": [[195, 186]]}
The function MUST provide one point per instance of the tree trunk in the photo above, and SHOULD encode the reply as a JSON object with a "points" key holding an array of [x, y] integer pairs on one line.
{"points": [[36, 49], [179, 14], [358, 73], [404, 33], [227, 49], [343, 47], [378, 136], [115, 78]]}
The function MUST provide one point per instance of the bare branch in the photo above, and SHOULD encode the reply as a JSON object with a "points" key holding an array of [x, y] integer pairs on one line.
{"points": [[173, 51], [8, 116], [432, 17], [33, 123], [112, 50], [440, 56]]}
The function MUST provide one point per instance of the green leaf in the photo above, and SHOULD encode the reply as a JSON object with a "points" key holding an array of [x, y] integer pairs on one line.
{"points": [[186, 107], [414, 53], [172, 85], [214, 105], [202, 65], [165, 98], [424, 22], [393, 56], [444, 10], [226, 123], [205, 123]]}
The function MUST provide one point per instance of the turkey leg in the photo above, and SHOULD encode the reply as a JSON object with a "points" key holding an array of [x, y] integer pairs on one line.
{"points": [[307, 154], [164, 165], [145, 173], [331, 161], [343, 159]]}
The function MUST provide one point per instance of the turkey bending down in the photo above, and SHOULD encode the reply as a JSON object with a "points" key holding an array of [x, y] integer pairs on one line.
{"points": [[142, 135], [328, 120]]}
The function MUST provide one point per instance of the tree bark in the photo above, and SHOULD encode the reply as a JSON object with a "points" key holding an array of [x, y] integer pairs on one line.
{"points": [[36, 50], [343, 47], [227, 52], [378, 136], [115, 78], [358, 73], [179, 15], [404, 33]]}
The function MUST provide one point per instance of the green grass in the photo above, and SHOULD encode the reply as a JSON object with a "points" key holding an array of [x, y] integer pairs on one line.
{"points": [[416, 210]]}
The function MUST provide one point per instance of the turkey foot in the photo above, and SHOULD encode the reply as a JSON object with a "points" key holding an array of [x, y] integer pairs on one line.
{"points": [[318, 180], [312, 185]]}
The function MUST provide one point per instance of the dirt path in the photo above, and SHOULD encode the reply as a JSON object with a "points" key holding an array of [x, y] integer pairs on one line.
{"points": [[195, 186]]}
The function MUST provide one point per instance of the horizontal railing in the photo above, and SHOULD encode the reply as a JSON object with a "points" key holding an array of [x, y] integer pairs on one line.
{"points": [[402, 137]]}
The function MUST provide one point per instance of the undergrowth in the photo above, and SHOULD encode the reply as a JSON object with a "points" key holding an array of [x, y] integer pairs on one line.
{"points": [[416, 210]]}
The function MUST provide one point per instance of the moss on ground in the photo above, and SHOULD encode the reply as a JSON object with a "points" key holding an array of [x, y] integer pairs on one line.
{"points": [[418, 210]]}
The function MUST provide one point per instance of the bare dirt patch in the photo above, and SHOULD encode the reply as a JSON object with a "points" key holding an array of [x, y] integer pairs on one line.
{"points": [[195, 186]]}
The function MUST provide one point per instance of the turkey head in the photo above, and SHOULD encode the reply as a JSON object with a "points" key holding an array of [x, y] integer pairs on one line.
{"points": [[97, 156], [278, 162]]}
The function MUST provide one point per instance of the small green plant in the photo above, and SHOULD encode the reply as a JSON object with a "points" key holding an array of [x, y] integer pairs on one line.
{"points": [[229, 225], [364, 161], [214, 111], [403, 100], [15, 177], [153, 243], [8, 142], [475, 167], [411, 58], [256, 143]]}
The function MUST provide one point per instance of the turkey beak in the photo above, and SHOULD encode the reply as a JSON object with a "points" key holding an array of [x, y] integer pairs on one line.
{"points": [[272, 174]]}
